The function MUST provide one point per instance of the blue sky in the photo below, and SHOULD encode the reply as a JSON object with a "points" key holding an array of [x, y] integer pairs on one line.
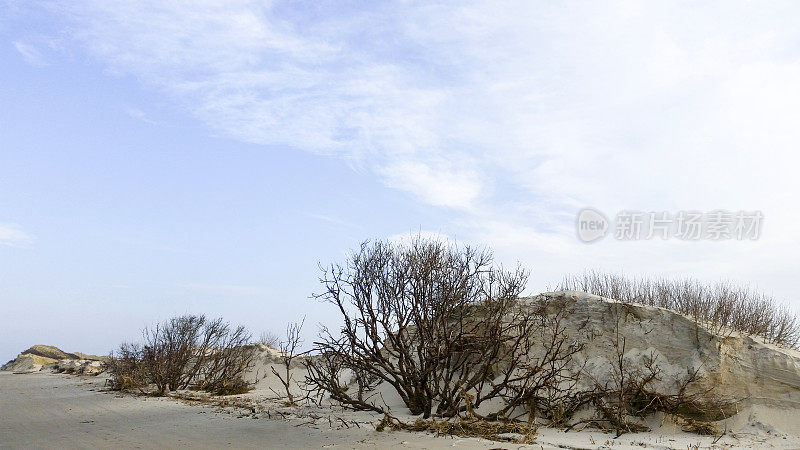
{"points": [[166, 157]]}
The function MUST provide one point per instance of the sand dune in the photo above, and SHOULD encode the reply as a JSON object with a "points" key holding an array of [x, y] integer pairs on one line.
{"points": [[40, 356]]}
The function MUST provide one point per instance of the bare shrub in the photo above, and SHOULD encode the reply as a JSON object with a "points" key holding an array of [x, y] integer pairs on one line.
{"points": [[126, 368], [269, 339], [547, 385], [171, 347], [227, 362], [448, 332], [618, 398], [289, 353], [632, 390], [186, 351], [438, 323], [720, 307], [326, 376]]}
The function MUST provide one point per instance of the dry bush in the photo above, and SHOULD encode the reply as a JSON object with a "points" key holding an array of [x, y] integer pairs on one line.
{"points": [[447, 331], [547, 386], [183, 352], [269, 339], [719, 307], [289, 353], [126, 368], [325, 377], [633, 390], [429, 319], [227, 362], [438, 323]]}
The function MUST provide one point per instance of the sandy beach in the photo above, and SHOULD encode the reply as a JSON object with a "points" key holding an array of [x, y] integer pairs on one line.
{"points": [[43, 410], [48, 410]]}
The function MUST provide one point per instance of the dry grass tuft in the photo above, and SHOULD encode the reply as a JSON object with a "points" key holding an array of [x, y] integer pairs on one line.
{"points": [[464, 427], [700, 427]]}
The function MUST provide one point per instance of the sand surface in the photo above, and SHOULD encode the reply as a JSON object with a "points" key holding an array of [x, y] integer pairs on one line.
{"points": [[44, 410]]}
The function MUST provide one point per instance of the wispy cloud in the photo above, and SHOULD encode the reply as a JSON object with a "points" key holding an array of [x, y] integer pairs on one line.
{"points": [[12, 235], [30, 54], [446, 99], [514, 113], [260, 74], [436, 184]]}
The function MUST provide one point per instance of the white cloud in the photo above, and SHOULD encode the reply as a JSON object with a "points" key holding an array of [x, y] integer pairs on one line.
{"points": [[12, 235], [30, 54], [516, 113], [251, 73], [439, 186]]}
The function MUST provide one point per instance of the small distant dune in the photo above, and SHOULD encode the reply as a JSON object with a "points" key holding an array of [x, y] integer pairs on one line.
{"points": [[39, 356]]}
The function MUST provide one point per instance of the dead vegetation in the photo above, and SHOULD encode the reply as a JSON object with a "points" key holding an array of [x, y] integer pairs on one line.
{"points": [[719, 307], [437, 322], [547, 385], [446, 330], [700, 427], [289, 354], [269, 339], [185, 352], [517, 432], [634, 386], [126, 367]]}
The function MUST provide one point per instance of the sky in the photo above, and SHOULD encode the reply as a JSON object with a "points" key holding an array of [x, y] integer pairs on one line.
{"points": [[162, 158]]}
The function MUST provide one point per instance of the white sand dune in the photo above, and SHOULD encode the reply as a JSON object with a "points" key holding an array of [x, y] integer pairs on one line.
{"points": [[738, 366], [40, 357]]}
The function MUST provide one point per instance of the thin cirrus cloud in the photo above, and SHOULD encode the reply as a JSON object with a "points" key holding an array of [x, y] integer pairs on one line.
{"points": [[13, 235], [30, 54], [254, 75], [506, 86], [513, 113]]}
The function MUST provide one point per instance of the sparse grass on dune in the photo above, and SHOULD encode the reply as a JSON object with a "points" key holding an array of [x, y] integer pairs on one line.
{"points": [[40, 360], [719, 306]]}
